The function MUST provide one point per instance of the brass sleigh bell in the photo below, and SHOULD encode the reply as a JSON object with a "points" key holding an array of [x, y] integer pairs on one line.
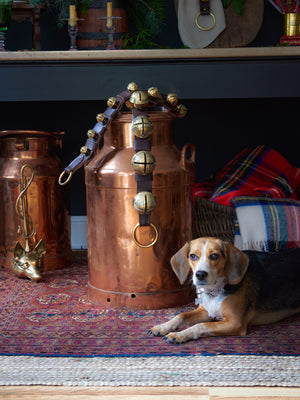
{"points": [[143, 162], [154, 92], [142, 127], [132, 87], [144, 202], [172, 99], [139, 99], [112, 102], [181, 110]]}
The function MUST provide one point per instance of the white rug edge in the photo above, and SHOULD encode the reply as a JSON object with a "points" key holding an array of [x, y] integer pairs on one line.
{"points": [[220, 370]]}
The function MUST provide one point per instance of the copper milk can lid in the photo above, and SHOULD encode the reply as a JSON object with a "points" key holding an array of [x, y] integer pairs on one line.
{"points": [[31, 133]]}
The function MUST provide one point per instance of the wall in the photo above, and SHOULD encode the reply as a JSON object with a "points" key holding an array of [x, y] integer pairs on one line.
{"points": [[218, 128]]}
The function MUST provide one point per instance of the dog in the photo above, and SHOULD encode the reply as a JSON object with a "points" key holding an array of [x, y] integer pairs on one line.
{"points": [[235, 289]]}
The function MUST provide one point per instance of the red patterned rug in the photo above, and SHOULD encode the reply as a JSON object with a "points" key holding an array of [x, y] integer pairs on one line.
{"points": [[55, 318]]}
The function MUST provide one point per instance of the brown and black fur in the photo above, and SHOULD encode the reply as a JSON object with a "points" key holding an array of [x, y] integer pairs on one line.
{"points": [[253, 288]]}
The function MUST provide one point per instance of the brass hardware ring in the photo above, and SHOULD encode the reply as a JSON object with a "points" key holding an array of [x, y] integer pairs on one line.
{"points": [[210, 27], [67, 180], [144, 245]]}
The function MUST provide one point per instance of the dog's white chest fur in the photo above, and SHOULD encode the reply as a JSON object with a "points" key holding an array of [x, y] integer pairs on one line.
{"points": [[212, 304]]}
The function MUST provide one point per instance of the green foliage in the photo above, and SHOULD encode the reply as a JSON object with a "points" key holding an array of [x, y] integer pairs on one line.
{"points": [[148, 18], [61, 7], [237, 5], [141, 40]]}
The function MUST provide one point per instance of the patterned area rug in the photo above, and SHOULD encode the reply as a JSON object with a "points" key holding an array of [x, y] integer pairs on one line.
{"points": [[51, 334], [55, 318]]}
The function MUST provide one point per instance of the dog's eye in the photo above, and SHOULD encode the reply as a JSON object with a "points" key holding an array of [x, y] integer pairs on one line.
{"points": [[214, 256], [193, 257]]}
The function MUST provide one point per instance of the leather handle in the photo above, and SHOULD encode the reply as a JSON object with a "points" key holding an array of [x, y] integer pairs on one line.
{"points": [[204, 7]]}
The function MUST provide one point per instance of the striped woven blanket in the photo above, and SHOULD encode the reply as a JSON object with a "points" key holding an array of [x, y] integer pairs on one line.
{"points": [[267, 224]]}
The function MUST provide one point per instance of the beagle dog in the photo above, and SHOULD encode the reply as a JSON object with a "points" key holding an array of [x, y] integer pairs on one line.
{"points": [[235, 289]]}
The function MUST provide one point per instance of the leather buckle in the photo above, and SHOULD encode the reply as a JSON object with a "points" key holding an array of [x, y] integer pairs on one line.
{"points": [[205, 10]]}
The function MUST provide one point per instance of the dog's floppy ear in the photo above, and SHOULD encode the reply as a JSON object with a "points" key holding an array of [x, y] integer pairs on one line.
{"points": [[180, 264], [236, 264]]}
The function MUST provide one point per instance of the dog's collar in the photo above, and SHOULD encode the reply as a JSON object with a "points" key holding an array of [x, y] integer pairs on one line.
{"points": [[212, 293]]}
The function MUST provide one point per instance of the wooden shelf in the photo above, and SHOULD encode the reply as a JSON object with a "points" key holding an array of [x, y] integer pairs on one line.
{"points": [[191, 73], [161, 54]]}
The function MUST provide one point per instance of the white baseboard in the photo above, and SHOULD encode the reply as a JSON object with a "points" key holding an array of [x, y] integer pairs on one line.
{"points": [[78, 232]]}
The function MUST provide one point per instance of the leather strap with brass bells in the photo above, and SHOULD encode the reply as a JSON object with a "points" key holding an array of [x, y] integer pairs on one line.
{"points": [[143, 162], [95, 135], [205, 11]]}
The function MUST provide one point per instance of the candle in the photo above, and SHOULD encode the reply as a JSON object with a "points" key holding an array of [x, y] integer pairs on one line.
{"points": [[109, 22], [72, 16]]}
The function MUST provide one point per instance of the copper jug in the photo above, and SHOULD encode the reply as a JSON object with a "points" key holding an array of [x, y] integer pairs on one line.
{"points": [[121, 272], [48, 205]]}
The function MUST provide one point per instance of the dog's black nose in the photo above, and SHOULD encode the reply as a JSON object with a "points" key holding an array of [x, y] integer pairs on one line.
{"points": [[201, 275]]}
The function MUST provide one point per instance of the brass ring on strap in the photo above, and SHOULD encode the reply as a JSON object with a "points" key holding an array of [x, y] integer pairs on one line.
{"points": [[67, 180], [144, 245], [210, 27]]}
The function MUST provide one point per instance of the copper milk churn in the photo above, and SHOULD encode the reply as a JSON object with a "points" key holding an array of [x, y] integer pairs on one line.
{"points": [[123, 270], [47, 202]]}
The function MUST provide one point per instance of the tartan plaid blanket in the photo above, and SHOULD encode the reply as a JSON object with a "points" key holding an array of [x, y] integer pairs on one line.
{"points": [[260, 171]]}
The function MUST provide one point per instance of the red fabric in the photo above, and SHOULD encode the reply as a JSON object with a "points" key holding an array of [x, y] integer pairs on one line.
{"points": [[290, 40], [204, 189], [259, 172], [297, 181]]}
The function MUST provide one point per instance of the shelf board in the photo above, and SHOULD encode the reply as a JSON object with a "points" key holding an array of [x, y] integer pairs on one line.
{"points": [[161, 54]]}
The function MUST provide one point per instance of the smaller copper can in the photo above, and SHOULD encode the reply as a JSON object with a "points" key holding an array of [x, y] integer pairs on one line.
{"points": [[48, 203]]}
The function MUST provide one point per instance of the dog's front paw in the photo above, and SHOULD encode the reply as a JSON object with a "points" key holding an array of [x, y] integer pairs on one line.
{"points": [[157, 330], [164, 329], [175, 338]]}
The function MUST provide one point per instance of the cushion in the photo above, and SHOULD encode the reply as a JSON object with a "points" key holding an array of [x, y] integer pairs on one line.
{"points": [[266, 224]]}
